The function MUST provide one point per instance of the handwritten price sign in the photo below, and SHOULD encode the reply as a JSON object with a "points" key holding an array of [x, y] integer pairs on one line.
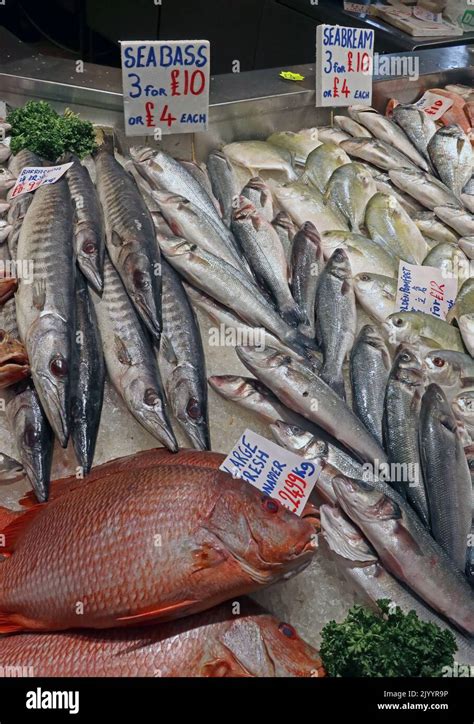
{"points": [[165, 86], [426, 289], [31, 177], [275, 471], [434, 105], [344, 65]]}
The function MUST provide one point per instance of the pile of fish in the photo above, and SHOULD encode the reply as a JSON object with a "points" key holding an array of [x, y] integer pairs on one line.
{"points": [[295, 242]]}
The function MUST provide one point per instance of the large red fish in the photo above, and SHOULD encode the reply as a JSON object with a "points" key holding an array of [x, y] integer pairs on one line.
{"points": [[145, 544], [218, 642]]}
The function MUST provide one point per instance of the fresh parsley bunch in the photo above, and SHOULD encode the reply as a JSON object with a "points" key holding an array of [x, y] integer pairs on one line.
{"points": [[394, 644], [38, 127]]}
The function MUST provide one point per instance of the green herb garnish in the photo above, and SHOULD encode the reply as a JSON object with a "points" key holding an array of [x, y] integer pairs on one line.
{"points": [[394, 644], [37, 127]]}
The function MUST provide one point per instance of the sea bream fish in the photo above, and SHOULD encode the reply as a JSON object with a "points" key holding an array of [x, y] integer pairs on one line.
{"points": [[418, 126], [130, 237], [130, 359], [185, 556], [451, 154], [89, 241], [215, 643], [256, 156], [349, 190], [181, 361], [45, 308]]}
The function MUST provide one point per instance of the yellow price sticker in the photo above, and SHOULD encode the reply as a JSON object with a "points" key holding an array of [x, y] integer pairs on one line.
{"points": [[288, 75]]}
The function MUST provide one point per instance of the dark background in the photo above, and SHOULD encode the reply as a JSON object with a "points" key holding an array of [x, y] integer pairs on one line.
{"points": [[258, 33]]}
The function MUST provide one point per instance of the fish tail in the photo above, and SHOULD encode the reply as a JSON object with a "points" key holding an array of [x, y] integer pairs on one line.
{"points": [[335, 382]]}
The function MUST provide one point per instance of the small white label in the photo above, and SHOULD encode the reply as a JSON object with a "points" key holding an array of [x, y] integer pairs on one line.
{"points": [[434, 105], [425, 289], [165, 86], [273, 470], [32, 177], [344, 65]]}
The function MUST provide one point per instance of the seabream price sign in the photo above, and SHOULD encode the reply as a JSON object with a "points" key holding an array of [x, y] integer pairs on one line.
{"points": [[165, 86], [344, 65]]}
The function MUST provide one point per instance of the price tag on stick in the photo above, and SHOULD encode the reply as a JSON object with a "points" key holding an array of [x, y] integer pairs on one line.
{"points": [[344, 65], [165, 86]]}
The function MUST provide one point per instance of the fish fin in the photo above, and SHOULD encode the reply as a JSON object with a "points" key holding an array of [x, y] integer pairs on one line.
{"points": [[8, 626], [152, 613], [39, 294], [115, 238], [345, 287], [122, 352], [15, 528], [207, 556], [168, 351], [449, 423]]}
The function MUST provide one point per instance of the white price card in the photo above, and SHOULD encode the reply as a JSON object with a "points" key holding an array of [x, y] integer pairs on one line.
{"points": [[275, 471], [434, 105], [344, 65], [426, 289], [31, 177], [165, 86]]}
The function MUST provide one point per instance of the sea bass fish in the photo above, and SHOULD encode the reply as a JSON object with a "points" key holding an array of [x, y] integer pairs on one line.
{"points": [[130, 359], [300, 389], [232, 543], [45, 308], [214, 643], [264, 252], [363, 569], [181, 361], [224, 183], [306, 265], [370, 369], [403, 393], [447, 475], [259, 194], [130, 238], [407, 549], [336, 318]]}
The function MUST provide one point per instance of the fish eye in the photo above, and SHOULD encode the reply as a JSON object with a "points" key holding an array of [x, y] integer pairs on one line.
{"points": [[151, 397], [58, 366], [438, 362], [193, 409], [270, 505], [404, 357], [140, 279], [30, 436], [287, 630], [89, 247], [364, 277], [398, 322]]}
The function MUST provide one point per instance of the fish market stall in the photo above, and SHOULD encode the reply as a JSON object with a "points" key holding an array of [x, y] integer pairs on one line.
{"points": [[338, 198]]}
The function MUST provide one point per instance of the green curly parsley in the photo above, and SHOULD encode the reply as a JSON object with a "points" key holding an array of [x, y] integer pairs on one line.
{"points": [[394, 644], [39, 128]]}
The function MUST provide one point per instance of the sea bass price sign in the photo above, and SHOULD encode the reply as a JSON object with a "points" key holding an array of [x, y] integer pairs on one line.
{"points": [[165, 86], [344, 65]]}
